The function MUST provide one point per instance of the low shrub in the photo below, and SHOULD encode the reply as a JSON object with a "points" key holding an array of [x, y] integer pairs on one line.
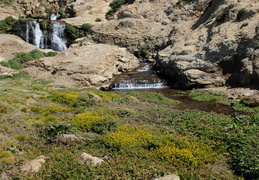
{"points": [[103, 127], [6, 2], [241, 13], [84, 99], [224, 14], [125, 112], [6, 157], [68, 98], [72, 98], [14, 64], [88, 121], [86, 27], [181, 150], [36, 54], [53, 130], [115, 6], [128, 136], [98, 20], [6, 24], [51, 54]]}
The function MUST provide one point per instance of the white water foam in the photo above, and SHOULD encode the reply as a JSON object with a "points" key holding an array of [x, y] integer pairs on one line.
{"points": [[58, 41], [138, 86]]}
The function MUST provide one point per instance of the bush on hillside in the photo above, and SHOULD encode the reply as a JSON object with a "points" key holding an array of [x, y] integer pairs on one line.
{"points": [[6, 25]]}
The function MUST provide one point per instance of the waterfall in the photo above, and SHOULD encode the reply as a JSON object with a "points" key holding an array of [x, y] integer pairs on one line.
{"points": [[142, 78], [33, 30], [51, 38], [58, 41]]}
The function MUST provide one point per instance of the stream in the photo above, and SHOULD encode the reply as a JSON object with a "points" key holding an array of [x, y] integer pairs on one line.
{"points": [[145, 79]]}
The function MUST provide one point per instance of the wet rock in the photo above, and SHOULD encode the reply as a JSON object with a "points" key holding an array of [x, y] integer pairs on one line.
{"points": [[34, 165], [90, 160]]}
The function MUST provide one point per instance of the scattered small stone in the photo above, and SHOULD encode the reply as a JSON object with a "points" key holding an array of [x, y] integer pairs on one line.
{"points": [[34, 165], [168, 177], [90, 160]]}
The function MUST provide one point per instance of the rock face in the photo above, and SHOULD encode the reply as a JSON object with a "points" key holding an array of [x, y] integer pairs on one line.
{"points": [[90, 65], [215, 52], [90, 160]]}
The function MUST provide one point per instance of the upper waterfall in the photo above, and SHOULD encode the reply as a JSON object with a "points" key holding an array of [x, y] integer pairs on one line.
{"points": [[45, 34]]}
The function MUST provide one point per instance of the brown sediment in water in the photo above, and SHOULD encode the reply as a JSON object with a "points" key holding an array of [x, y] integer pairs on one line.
{"points": [[181, 95], [188, 103]]}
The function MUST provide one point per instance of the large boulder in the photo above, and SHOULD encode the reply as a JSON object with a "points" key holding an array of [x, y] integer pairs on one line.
{"points": [[91, 65], [11, 44]]}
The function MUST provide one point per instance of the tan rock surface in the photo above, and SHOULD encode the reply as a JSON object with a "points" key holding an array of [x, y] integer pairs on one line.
{"points": [[34, 165], [88, 65], [86, 11], [10, 44], [90, 160]]}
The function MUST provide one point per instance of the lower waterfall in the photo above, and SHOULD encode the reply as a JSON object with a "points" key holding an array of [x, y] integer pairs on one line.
{"points": [[142, 78]]}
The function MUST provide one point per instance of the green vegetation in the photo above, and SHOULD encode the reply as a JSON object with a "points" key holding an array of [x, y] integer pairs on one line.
{"points": [[240, 13], [22, 57], [144, 52], [115, 6], [224, 14], [74, 32], [6, 2], [98, 20], [7, 24], [48, 10], [142, 134]]}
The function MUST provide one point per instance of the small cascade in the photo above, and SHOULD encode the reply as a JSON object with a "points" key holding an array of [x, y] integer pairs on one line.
{"points": [[143, 78], [54, 16]]}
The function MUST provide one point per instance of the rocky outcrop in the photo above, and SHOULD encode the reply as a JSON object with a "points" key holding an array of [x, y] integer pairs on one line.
{"points": [[10, 44], [91, 65], [132, 34], [216, 52], [90, 160], [34, 165]]}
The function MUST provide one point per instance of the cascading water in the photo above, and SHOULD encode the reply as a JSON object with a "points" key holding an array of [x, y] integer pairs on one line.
{"points": [[54, 16], [46, 34], [58, 41], [33, 30], [142, 78]]}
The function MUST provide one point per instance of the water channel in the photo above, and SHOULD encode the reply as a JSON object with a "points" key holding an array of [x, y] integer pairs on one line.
{"points": [[145, 79]]}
